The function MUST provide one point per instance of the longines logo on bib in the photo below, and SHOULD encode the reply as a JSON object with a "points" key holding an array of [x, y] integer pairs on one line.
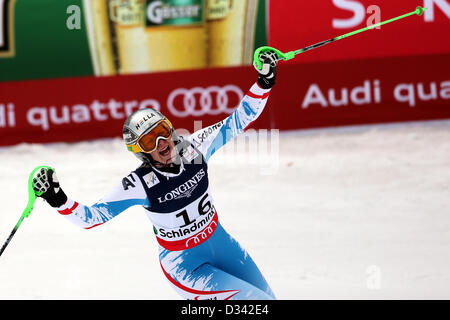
{"points": [[184, 190], [174, 12]]}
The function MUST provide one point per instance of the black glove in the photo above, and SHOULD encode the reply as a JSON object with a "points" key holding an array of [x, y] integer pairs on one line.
{"points": [[46, 185], [268, 72]]}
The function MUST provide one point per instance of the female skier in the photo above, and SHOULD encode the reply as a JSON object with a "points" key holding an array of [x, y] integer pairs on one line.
{"points": [[198, 257]]}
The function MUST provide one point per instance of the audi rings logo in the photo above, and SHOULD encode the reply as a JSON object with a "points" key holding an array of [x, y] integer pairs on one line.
{"points": [[199, 101], [209, 230]]}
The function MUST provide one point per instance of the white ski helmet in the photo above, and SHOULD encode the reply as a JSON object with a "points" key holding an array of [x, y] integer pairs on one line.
{"points": [[140, 123]]}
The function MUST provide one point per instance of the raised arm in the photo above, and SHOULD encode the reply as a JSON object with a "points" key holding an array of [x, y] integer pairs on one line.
{"points": [[208, 140], [126, 194]]}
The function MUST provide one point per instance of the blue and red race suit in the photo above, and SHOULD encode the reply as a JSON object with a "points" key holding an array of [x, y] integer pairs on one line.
{"points": [[198, 257]]}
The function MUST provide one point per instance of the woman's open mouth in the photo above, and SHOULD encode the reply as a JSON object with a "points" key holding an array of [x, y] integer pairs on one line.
{"points": [[165, 152]]}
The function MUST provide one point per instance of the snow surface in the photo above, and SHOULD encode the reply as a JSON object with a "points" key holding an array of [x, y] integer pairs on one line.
{"points": [[354, 213]]}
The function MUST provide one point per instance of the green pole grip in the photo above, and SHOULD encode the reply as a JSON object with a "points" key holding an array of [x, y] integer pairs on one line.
{"points": [[281, 55], [31, 200], [31, 193]]}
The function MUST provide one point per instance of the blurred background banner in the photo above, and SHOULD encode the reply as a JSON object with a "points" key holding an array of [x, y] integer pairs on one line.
{"points": [[68, 38], [73, 70], [302, 23]]}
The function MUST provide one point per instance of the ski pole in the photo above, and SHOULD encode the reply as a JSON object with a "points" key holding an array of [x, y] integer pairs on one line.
{"points": [[31, 200], [291, 54]]}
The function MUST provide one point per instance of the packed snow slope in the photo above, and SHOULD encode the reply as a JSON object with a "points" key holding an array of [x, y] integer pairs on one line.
{"points": [[354, 213]]}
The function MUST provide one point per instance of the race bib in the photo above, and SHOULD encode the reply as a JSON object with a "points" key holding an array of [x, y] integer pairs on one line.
{"points": [[186, 228]]}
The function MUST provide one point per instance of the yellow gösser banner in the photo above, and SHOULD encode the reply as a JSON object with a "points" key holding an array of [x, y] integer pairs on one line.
{"points": [[134, 36]]}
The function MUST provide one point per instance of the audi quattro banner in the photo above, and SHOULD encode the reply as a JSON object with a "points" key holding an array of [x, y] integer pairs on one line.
{"points": [[297, 24], [68, 38], [75, 109], [306, 96], [362, 92]]}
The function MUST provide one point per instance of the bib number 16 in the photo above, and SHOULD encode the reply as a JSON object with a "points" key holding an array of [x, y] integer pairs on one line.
{"points": [[204, 207]]}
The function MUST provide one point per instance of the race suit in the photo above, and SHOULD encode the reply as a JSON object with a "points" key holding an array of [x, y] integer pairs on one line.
{"points": [[198, 257]]}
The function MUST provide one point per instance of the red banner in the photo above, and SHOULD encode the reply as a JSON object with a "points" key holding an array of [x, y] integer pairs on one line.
{"points": [[297, 24], [306, 96], [362, 92], [74, 109]]}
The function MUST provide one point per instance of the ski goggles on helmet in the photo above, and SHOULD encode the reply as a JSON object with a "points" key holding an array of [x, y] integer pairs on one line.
{"points": [[148, 142]]}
